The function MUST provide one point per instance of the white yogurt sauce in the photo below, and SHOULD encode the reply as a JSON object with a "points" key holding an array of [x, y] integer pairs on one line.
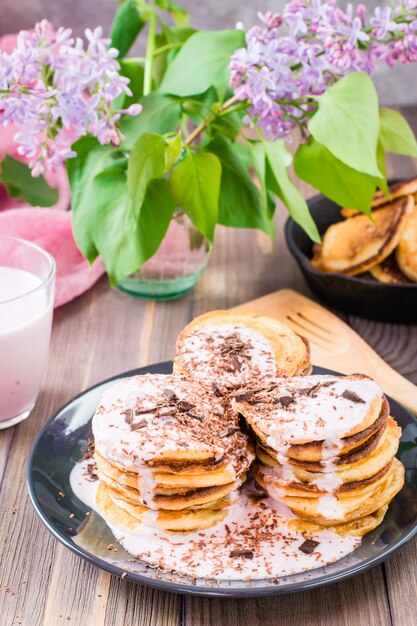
{"points": [[253, 542]]}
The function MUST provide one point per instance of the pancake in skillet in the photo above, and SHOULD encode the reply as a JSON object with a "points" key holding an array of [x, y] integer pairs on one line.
{"points": [[355, 245], [397, 190], [388, 270], [406, 253]]}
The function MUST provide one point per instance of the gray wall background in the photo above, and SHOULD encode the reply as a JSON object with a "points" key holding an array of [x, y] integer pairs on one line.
{"points": [[396, 87]]}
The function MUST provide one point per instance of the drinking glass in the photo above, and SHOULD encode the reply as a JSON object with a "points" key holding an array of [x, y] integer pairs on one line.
{"points": [[27, 281]]}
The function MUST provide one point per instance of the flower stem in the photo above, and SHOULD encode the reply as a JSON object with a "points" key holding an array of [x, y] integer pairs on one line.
{"points": [[150, 48], [168, 46], [201, 127]]}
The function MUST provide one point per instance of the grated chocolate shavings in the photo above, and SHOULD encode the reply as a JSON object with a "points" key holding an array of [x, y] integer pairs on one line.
{"points": [[138, 425], [217, 391], [89, 453], [128, 413], [229, 432]]}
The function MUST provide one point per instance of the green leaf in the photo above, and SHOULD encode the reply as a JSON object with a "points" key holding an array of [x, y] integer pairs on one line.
{"points": [[173, 150], [179, 15], [257, 150], [277, 159], [396, 134], [85, 196], [134, 73], [104, 220], [17, 177], [202, 61], [382, 183], [240, 202], [243, 153], [168, 35], [127, 24], [146, 162], [339, 182], [195, 185], [161, 114], [228, 125], [347, 122], [123, 242]]}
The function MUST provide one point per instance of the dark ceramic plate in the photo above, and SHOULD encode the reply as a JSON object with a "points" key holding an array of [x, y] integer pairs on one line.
{"points": [[365, 296], [57, 448]]}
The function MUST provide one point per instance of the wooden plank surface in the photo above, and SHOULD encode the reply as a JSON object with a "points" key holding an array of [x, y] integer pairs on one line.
{"points": [[105, 332]]}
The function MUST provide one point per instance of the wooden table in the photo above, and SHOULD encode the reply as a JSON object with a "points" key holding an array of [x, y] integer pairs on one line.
{"points": [[105, 332]]}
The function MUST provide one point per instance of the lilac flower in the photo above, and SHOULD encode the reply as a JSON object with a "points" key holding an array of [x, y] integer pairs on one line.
{"points": [[382, 21], [354, 32], [309, 48], [57, 90]]}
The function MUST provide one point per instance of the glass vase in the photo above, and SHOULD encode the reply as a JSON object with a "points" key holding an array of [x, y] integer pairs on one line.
{"points": [[175, 267]]}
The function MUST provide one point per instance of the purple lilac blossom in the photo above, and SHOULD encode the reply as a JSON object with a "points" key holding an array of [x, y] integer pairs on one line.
{"points": [[314, 43], [57, 89]]}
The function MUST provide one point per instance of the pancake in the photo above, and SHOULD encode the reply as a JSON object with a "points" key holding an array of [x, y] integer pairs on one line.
{"points": [[406, 253], [130, 478], [397, 190], [231, 349], [388, 270], [358, 470], [148, 420], [311, 409], [316, 261], [355, 245], [167, 442], [345, 508], [311, 454], [357, 528], [129, 516]]}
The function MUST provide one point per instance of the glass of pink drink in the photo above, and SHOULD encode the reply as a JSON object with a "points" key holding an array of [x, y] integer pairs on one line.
{"points": [[27, 280]]}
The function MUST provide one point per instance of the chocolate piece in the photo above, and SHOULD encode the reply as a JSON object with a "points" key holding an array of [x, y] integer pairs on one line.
{"points": [[195, 417], [128, 415], [217, 391], [138, 425], [285, 400], [308, 546], [243, 397], [170, 393], [348, 394], [246, 554], [183, 405]]}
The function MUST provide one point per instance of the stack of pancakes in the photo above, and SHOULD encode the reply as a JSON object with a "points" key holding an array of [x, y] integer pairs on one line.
{"points": [[232, 349], [169, 453], [326, 449]]}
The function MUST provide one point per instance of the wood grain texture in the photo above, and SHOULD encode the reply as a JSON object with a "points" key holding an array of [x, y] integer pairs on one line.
{"points": [[105, 332]]}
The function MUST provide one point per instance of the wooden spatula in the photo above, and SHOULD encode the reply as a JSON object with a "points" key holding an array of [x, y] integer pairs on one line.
{"points": [[334, 344]]}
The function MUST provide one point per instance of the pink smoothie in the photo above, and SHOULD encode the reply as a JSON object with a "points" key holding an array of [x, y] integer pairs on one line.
{"points": [[25, 329]]}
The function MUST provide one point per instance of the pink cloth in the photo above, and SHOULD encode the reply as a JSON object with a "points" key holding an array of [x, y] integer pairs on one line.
{"points": [[49, 227], [53, 231]]}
